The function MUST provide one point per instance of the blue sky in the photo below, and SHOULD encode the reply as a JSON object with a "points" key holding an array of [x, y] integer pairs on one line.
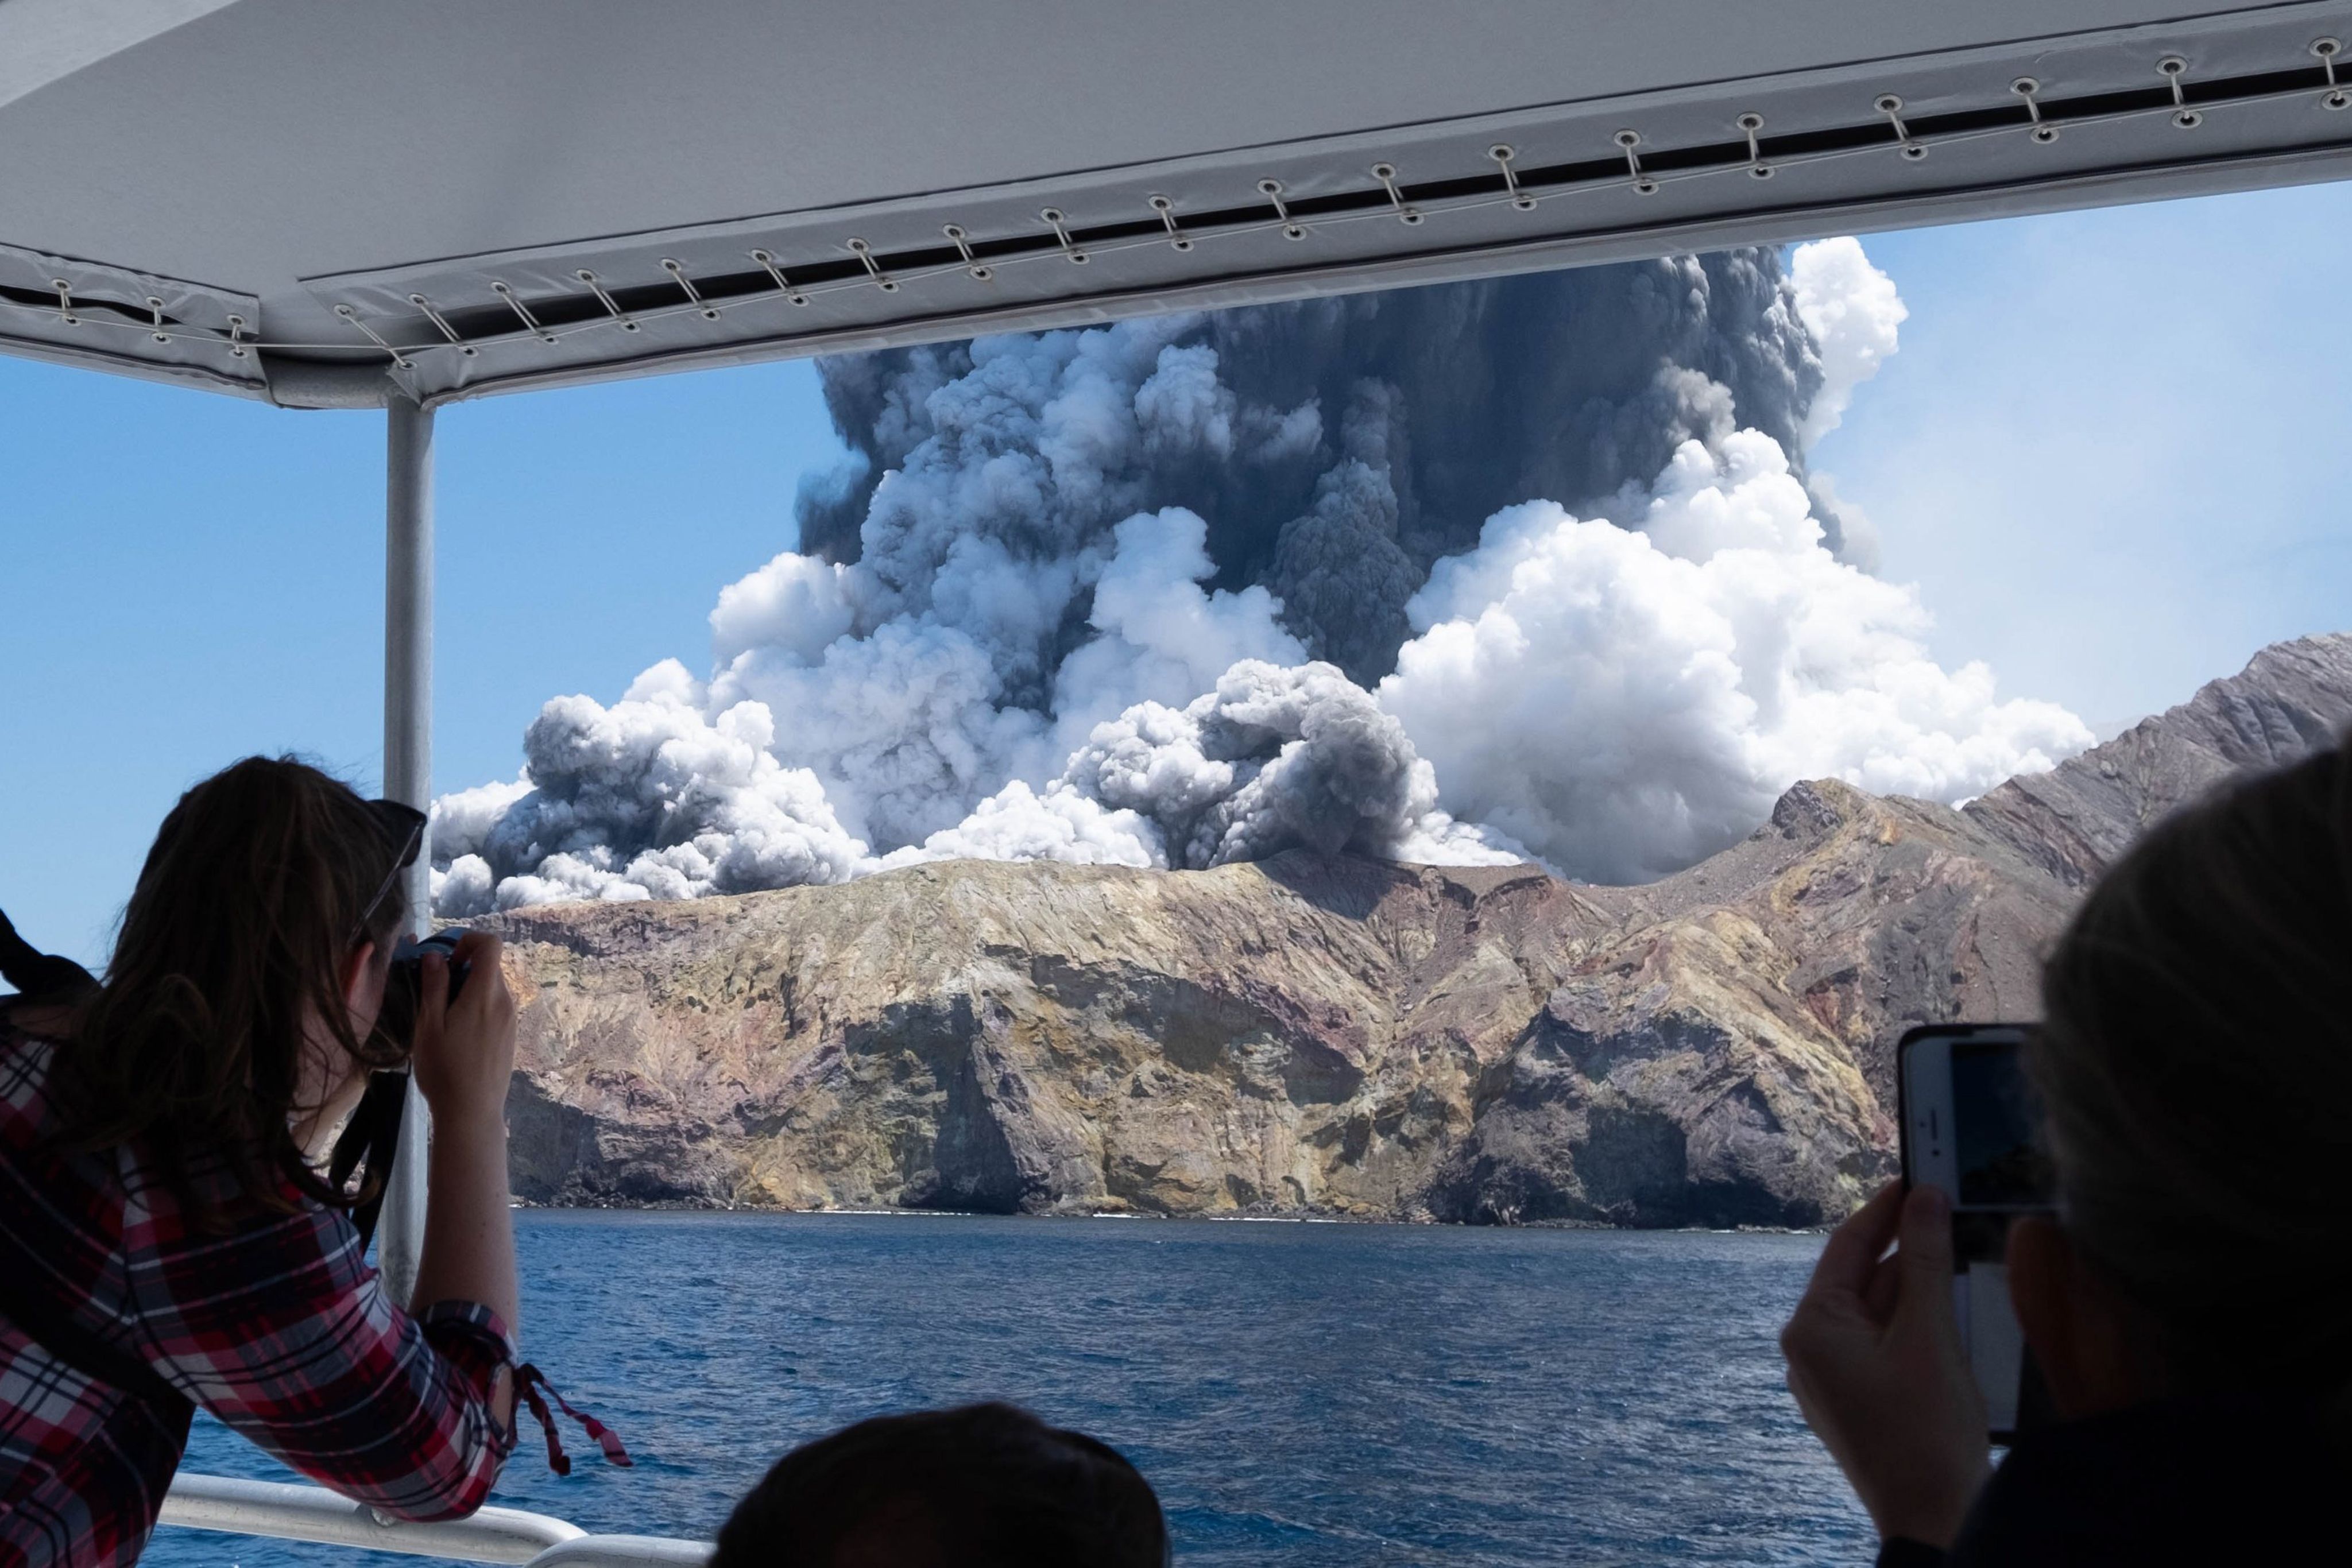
{"points": [[2109, 451], [2111, 447]]}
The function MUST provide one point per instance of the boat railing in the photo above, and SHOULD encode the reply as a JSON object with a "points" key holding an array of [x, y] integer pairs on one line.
{"points": [[288, 1511]]}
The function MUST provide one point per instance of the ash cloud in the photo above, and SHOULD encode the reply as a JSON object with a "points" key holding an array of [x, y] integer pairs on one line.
{"points": [[1273, 758], [1338, 447], [1182, 592], [647, 799]]}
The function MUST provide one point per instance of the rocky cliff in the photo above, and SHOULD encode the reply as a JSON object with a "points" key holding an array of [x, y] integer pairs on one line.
{"points": [[1332, 1034], [2075, 819]]}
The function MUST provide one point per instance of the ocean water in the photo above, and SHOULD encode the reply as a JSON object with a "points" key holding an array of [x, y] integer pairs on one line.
{"points": [[1298, 1394]]}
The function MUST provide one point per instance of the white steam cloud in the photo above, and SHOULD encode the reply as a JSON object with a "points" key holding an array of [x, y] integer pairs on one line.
{"points": [[1083, 613], [1851, 312], [1627, 701]]}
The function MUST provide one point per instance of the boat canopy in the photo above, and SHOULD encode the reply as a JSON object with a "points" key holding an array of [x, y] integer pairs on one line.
{"points": [[399, 204], [428, 200]]}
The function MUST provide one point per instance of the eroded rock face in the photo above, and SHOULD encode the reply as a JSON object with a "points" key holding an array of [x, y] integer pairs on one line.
{"points": [[1305, 1034], [1724, 1055], [1339, 1035], [1027, 1037]]}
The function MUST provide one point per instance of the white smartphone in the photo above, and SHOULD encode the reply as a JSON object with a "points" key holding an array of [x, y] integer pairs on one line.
{"points": [[1969, 1128]]}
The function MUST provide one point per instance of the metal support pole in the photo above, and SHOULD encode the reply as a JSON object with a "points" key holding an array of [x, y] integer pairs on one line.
{"points": [[408, 772]]}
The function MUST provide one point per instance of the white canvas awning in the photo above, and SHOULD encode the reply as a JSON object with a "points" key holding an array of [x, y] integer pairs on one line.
{"points": [[321, 203]]}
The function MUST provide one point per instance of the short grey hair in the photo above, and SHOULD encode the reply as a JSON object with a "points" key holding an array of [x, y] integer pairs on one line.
{"points": [[2196, 1071]]}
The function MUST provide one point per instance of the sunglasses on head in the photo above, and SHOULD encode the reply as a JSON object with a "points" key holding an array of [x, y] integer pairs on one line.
{"points": [[403, 826]]}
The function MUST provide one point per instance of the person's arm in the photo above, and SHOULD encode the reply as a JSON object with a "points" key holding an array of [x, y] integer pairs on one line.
{"points": [[284, 1334], [463, 1058], [1877, 1366], [281, 1330]]}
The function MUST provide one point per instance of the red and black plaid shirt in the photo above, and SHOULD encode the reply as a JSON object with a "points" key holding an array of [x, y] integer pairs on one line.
{"points": [[276, 1325]]}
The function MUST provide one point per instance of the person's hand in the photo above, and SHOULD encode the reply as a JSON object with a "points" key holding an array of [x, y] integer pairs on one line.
{"points": [[1876, 1365], [464, 1052], [463, 1058]]}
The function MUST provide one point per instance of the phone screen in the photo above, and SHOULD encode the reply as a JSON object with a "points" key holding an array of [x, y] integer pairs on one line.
{"points": [[1995, 1130], [1970, 1128]]}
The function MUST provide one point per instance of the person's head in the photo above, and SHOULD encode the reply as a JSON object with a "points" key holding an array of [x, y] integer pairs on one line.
{"points": [[986, 1486], [244, 983], [2196, 1072]]}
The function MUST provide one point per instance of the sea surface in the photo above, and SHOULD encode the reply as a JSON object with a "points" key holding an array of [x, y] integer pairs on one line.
{"points": [[1298, 1394]]}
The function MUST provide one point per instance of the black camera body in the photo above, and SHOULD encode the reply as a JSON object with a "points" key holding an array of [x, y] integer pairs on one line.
{"points": [[404, 987]]}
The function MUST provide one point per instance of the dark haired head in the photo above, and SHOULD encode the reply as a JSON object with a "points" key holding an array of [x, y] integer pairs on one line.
{"points": [[2197, 1068], [229, 967], [986, 1486]]}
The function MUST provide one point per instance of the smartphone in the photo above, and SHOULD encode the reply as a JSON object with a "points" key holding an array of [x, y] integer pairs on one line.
{"points": [[1970, 1128]]}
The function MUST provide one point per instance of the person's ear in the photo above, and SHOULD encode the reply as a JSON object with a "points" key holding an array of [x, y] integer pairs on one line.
{"points": [[358, 965], [2076, 1328]]}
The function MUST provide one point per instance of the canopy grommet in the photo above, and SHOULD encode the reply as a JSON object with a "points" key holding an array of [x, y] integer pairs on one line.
{"points": [[1887, 104], [1750, 124], [864, 253], [155, 309], [2325, 50], [505, 291], [399, 361], [442, 323], [686, 285], [981, 272], [2173, 69], [1291, 227], [1177, 238], [1628, 142], [1387, 176], [64, 301], [1059, 224], [1503, 152], [2026, 88], [783, 284], [612, 306]]}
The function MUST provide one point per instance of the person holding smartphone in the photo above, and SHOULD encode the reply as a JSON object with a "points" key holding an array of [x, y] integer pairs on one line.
{"points": [[2188, 1304], [166, 1237]]}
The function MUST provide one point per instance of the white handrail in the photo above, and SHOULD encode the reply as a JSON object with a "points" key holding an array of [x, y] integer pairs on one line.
{"points": [[625, 1551], [296, 1512]]}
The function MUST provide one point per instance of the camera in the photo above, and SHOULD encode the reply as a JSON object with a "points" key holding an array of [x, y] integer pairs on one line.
{"points": [[371, 1138], [404, 987]]}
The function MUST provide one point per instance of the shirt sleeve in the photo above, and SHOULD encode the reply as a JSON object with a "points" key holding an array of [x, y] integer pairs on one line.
{"points": [[281, 1330]]}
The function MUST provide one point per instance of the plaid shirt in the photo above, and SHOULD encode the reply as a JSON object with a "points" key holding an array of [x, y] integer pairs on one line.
{"points": [[276, 1325]]}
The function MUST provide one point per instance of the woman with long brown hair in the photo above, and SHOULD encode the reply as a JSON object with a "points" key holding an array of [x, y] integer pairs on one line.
{"points": [[166, 1237]]}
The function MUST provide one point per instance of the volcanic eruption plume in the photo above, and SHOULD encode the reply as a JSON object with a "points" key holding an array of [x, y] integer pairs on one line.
{"points": [[1473, 572]]}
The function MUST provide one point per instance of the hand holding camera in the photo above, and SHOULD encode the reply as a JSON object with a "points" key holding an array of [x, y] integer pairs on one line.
{"points": [[465, 1028], [462, 1056]]}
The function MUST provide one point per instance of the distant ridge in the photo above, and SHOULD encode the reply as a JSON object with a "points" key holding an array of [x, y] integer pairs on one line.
{"points": [[2291, 699]]}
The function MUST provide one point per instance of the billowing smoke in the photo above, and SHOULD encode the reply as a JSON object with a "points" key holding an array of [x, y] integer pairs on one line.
{"points": [[1193, 590], [1336, 448], [1627, 701], [647, 799], [1273, 758]]}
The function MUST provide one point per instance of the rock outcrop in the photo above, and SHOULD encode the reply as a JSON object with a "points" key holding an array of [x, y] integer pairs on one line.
{"points": [[1752, 1004], [1305, 1034], [1319, 1034], [2075, 819]]}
